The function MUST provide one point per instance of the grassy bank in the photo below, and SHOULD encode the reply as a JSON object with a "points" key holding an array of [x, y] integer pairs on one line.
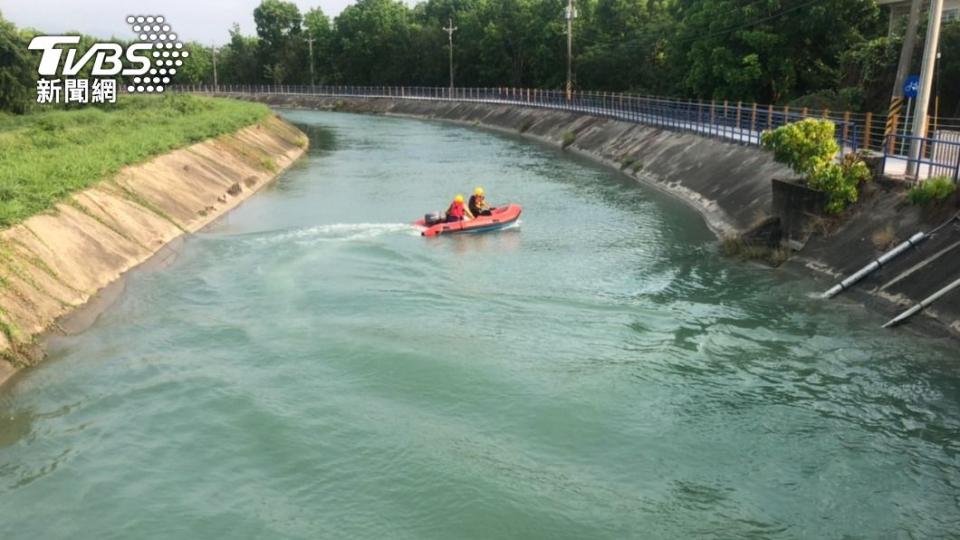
{"points": [[45, 156]]}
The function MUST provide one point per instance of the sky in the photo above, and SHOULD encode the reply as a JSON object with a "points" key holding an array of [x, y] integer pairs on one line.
{"points": [[206, 21]]}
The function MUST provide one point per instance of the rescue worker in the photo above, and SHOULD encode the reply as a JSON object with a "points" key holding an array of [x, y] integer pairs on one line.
{"points": [[478, 204], [457, 211]]}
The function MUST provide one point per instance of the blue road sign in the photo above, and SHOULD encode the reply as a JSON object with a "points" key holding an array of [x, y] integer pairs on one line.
{"points": [[911, 86]]}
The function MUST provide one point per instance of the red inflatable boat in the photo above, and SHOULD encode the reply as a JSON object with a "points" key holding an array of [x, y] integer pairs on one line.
{"points": [[499, 218]]}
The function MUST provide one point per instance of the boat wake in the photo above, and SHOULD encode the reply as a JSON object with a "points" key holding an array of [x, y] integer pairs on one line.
{"points": [[338, 232]]}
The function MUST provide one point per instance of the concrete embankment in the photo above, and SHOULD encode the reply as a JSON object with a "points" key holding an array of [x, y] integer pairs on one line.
{"points": [[837, 247], [56, 261], [731, 186]]}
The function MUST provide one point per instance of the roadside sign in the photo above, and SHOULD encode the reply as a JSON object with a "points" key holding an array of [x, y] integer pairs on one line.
{"points": [[911, 86]]}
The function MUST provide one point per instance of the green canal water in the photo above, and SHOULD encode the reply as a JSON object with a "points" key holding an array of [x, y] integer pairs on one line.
{"points": [[309, 367]]}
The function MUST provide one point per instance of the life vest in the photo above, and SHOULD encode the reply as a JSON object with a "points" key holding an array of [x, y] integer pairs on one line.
{"points": [[455, 210]]}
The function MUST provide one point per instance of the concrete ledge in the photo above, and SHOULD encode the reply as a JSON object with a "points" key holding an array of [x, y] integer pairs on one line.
{"points": [[796, 205]]}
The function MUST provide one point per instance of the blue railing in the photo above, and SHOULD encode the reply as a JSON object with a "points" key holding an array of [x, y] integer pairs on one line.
{"points": [[741, 123], [937, 156]]}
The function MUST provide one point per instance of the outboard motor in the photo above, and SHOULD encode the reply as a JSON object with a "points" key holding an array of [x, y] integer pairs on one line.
{"points": [[433, 218]]}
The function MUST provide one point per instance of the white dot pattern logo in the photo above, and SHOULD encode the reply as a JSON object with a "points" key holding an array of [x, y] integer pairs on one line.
{"points": [[154, 30]]}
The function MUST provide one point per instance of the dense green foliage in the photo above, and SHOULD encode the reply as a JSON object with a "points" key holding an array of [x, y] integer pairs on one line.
{"points": [[931, 190], [839, 181], [794, 47], [44, 156], [809, 148], [801, 145], [808, 53], [832, 54], [16, 73]]}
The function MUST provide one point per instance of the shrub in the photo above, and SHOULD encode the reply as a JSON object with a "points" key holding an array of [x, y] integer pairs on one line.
{"points": [[802, 144], [568, 138], [809, 147], [932, 189], [839, 182]]}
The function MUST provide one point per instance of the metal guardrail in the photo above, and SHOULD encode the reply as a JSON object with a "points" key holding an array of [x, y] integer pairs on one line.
{"points": [[741, 123], [737, 122], [939, 156]]}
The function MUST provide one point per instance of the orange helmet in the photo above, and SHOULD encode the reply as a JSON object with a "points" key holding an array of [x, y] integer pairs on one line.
{"points": [[458, 198]]}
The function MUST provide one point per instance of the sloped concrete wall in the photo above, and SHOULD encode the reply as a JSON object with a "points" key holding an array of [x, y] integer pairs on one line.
{"points": [[56, 261]]}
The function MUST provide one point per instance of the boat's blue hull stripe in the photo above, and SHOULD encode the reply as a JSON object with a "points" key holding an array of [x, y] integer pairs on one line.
{"points": [[485, 228]]}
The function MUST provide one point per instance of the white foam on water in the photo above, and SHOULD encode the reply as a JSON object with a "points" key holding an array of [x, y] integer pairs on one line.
{"points": [[339, 232]]}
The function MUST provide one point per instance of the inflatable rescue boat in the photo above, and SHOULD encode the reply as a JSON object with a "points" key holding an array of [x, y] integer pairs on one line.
{"points": [[434, 224]]}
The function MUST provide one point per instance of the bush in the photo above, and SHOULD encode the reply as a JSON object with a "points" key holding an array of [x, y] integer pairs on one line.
{"points": [[809, 147], [839, 182], [568, 138], [933, 189], [801, 145]]}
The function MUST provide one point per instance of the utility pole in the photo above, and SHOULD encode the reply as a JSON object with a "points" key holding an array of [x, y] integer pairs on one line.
{"points": [[214, 49], [903, 68], [936, 98], [310, 41], [450, 29], [926, 81], [569, 48]]}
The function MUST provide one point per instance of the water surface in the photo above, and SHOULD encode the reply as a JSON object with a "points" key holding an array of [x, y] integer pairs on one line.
{"points": [[309, 367]]}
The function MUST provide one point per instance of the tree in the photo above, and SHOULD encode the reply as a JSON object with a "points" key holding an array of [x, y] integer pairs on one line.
{"points": [[238, 62], [766, 50], [433, 16], [372, 43], [318, 28], [16, 75], [281, 48], [198, 69], [625, 45]]}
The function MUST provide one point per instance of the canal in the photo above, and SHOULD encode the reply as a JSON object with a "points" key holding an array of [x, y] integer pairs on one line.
{"points": [[309, 367]]}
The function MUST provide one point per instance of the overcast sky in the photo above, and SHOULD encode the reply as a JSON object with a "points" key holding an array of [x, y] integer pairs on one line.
{"points": [[207, 21]]}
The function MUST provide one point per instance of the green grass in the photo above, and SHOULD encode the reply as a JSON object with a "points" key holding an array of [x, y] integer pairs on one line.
{"points": [[932, 189], [45, 156]]}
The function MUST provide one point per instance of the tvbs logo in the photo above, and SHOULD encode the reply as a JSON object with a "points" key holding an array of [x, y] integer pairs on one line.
{"points": [[148, 64]]}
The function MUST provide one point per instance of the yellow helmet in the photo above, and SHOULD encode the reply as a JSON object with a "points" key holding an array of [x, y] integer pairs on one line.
{"points": [[458, 198], [478, 191]]}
